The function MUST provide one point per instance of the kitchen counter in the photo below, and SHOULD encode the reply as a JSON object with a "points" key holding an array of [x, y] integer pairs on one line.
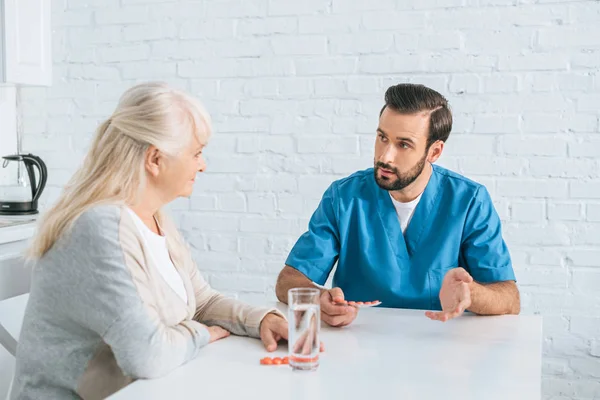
{"points": [[14, 274], [13, 238], [15, 233]]}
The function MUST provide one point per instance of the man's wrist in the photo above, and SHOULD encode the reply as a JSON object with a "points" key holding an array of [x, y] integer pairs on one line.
{"points": [[474, 289]]}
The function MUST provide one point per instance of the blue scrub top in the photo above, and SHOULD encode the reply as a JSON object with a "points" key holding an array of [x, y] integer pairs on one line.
{"points": [[454, 225]]}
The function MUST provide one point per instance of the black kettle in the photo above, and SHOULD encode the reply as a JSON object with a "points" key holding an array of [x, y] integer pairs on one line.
{"points": [[20, 188]]}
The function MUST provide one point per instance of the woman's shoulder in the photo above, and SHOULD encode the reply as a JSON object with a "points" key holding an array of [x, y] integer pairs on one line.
{"points": [[102, 211], [95, 233], [102, 223], [99, 218]]}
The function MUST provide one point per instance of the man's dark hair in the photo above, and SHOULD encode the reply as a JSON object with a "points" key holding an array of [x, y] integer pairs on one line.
{"points": [[407, 98]]}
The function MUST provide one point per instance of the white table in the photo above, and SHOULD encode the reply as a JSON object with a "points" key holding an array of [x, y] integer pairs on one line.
{"points": [[385, 353]]}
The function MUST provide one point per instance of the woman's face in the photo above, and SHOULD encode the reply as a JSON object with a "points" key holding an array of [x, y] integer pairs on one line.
{"points": [[176, 174]]}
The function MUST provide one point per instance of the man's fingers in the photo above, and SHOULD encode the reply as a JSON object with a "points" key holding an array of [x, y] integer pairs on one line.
{"points": [[333, 309], [444, 316], [438, 316], [462, 275], [328, 319], [341, 320], [338, 320], [433, 315], [333, 302], [337, 295]]}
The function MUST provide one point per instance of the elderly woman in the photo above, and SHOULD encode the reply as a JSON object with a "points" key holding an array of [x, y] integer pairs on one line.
{"points": [[116, 295]]}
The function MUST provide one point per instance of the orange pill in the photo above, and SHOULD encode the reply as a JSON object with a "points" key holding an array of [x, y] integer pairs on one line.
{"points": [[360, 303], [285, 360], [305, 359], [277, 361], [266, 361]]}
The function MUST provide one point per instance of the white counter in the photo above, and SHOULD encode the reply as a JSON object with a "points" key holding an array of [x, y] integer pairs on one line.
{"points": [[12, 236], [18, 232], [12, 312], [14, 276]]}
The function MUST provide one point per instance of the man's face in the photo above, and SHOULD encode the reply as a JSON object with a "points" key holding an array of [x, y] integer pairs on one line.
{"points": [[400, 149]]}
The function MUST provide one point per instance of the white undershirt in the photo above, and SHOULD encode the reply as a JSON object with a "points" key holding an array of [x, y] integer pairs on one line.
{"points": [[157, 244], [405, 211]]}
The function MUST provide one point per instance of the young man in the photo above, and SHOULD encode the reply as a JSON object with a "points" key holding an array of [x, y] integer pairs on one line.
{"points": [[406, 232]]}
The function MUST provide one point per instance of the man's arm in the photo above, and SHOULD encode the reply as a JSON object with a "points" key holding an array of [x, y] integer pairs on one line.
{"points": [[495, 298], [460, 292], [290, 278], [335, 311], [311, 260], [485, 257]]}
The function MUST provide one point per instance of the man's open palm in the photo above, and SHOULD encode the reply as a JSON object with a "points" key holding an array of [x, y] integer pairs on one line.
{"points": [[455, 295]]}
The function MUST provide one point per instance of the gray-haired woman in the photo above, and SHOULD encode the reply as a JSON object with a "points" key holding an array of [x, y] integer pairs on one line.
{"points": [[116, 295]]}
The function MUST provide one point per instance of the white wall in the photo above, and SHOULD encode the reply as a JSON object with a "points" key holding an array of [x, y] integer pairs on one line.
{"points": [[295, 87], [8, 128]]}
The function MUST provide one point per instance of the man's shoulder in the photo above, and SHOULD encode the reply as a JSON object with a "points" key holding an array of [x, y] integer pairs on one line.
{"points": [[458, 182], [354, 182]]}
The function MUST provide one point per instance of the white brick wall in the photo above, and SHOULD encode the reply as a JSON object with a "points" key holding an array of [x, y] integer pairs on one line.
{"points": [[294, 88]]}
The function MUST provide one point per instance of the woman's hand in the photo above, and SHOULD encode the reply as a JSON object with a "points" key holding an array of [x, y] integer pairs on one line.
{"points": [[216, 333], [273, 328]]}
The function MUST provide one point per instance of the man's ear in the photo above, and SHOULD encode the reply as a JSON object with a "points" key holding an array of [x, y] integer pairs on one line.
{"points": [[435, 151]]}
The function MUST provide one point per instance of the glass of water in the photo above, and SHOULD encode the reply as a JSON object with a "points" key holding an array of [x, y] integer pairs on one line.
{"points": [[304, 319]]}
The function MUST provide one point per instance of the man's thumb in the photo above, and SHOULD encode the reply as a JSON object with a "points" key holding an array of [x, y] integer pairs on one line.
{"points": [[462, 275], [337, 295]]}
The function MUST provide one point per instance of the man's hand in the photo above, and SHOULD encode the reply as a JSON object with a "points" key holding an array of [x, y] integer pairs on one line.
{"points": [[273, 328], [335, 311], [455, 295]]}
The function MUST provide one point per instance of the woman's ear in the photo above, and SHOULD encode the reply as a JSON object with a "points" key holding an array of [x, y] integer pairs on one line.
{"points": [[152, 161]]}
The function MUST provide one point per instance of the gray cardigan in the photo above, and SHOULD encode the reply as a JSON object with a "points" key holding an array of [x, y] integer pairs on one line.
{"points": [[100, 315]]}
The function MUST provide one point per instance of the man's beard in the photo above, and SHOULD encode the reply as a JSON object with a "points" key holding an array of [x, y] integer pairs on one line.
{"points": [[403, 180]]}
